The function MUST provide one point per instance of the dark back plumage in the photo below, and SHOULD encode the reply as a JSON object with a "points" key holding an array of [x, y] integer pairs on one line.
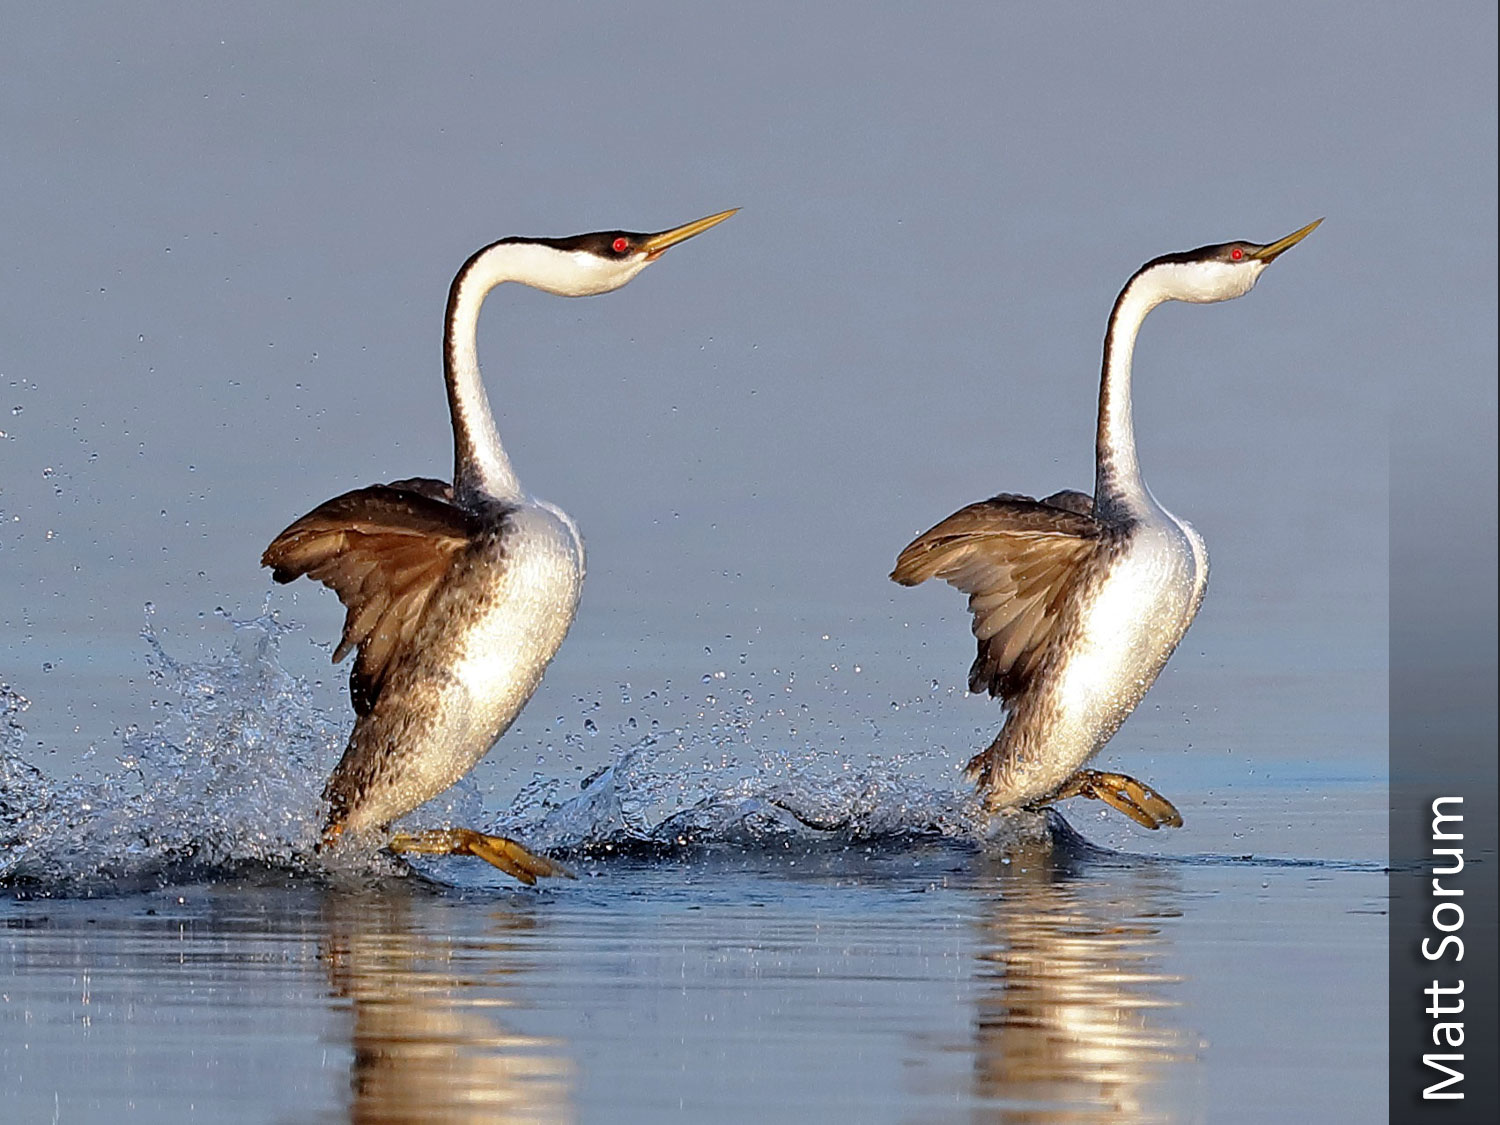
{"points": [[1021, 561], [383, 550]]}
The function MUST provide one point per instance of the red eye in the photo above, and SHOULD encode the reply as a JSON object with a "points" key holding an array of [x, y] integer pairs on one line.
{"points": [[622, 244], [1236, 253]]}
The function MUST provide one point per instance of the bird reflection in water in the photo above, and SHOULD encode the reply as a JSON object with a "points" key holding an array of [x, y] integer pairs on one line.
{"points": [[426, 1040], [1074, 1021]]}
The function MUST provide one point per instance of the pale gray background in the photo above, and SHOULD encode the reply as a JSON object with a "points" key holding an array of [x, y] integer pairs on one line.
{"points": [[228, 236]]}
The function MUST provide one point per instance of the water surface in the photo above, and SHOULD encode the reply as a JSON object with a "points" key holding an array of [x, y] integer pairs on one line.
{"points": [[754, 931], [904, 984]]}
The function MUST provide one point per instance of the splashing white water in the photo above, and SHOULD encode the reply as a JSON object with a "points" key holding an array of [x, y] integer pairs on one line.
{"points": [[228, 777], [226, 774], [647, 795]]}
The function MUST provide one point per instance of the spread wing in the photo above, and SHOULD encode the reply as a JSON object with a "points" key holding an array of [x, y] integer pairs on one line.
{"points": [[435, 489], [1020, 561], [383, 550]]}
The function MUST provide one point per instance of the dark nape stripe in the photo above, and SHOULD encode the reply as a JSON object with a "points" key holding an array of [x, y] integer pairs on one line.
{"points": [[1104, 463], [596, 242]]}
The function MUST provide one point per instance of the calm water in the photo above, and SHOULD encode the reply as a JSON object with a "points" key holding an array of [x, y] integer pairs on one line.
{"points": [[848, 982], [223, 254]]}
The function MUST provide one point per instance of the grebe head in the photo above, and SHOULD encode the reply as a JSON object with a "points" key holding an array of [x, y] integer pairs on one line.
{"points": [[584, 265], [1215, 273]]}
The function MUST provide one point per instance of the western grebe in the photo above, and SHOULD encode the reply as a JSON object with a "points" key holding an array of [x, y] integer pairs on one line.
{"points": [[1078, 601], [457, 595]]}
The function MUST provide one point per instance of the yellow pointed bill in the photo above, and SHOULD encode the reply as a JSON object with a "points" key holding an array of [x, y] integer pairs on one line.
{"points": [[1271, 252], [657, 244]]}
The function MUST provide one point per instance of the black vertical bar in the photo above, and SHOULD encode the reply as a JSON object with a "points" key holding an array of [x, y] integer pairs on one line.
{"points": [[1443, 730]]}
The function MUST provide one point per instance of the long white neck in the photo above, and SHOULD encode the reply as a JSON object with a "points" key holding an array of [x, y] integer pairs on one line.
{"points": [[480, 466], [1118, 487]]}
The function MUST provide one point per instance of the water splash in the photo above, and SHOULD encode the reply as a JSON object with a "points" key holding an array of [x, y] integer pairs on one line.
{"points": [[228, 773], [227, 776], [647, 796]]}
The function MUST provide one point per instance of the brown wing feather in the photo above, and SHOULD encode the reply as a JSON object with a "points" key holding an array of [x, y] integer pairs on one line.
{"points": [[383, 550], [1069, 499], [430, 487], [1020, 560]]}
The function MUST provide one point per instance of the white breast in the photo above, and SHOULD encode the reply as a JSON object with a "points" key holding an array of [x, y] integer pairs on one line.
{"points": [[518, 629], [1139, 612]]}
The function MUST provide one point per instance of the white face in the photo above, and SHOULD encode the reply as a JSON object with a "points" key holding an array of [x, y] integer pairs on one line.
{"points": [[572, 273], [1202, 282], [591, 274]]}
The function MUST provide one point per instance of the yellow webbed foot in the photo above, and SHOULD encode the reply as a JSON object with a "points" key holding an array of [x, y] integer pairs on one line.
{"points": [[498, 851], [1135, 799]]}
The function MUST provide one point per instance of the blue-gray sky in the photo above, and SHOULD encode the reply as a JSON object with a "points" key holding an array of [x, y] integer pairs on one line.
{"points": [[228, 233]]}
